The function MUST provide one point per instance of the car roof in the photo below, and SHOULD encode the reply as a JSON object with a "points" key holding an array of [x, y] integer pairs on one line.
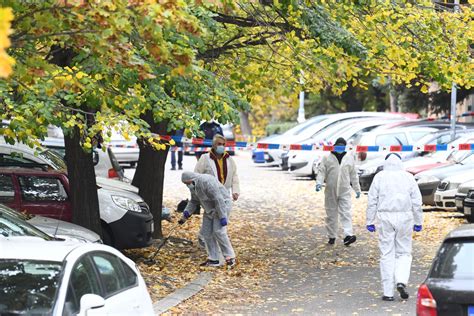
{"points": [[464, 231], [33, 248]]}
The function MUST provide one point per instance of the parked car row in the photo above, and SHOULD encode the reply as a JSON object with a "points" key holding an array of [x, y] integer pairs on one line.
{"points": [[440, 174]]}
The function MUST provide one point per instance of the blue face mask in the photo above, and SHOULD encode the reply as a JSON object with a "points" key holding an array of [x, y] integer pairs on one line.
{"points": [[190, 186], [220, 150]]}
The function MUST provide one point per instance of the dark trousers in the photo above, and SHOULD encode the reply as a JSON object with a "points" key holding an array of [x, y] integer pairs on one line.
{"points": [[180, 158]]}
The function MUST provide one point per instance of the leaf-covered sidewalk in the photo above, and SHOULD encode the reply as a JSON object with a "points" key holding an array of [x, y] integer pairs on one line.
{"points": [[285, 266]]}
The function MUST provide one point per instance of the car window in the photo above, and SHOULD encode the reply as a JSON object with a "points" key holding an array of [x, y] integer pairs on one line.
{"points": [[131, 279], [83, 281], [28, 287], [455, 261], [417, 135], [55, 160], [7, 191], [391, 139], [110, 271], [40, 189]]}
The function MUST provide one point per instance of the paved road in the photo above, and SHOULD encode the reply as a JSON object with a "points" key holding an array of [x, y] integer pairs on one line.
{"points": [[306, 276]]}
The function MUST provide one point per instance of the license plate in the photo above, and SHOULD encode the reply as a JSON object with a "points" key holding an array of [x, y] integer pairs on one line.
{"points": [[458, 203], [470, 311], [437, 198], [467, 210]]}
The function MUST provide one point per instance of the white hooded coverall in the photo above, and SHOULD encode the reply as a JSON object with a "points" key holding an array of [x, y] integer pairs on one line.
{"points": [[395, 201], [217, 203], [338, 178]]}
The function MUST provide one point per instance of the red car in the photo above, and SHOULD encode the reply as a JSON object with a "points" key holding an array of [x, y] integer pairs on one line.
{"points": [[126, 219]]}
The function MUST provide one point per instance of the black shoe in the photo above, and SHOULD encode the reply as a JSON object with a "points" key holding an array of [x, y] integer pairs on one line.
{"points": [[230, 262], [173, 168], [210, 263], [402, 289], [331, 241], [180, 167], [388, 298], [349, 240]]}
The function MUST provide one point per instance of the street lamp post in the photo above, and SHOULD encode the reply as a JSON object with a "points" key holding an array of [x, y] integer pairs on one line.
{"points": [[454, 92], [301, 115]]}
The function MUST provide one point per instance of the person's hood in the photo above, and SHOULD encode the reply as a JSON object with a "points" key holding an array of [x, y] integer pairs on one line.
{"points": [[188, 175], [393, 163]]}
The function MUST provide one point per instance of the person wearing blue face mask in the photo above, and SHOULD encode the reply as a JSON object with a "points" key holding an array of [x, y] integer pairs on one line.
{"points": [[217, 162], [338, 171]]}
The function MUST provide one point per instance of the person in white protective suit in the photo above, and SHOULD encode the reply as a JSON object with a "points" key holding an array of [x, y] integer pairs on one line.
{"points": [[207, 191], [339, 172], [395, 203]]}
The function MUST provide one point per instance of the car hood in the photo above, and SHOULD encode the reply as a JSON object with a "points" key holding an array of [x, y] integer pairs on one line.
{"points": [[463, 177], [446, 171], [466, 187], [55, 227], [427, 167], [118, 192], [115, 185]]}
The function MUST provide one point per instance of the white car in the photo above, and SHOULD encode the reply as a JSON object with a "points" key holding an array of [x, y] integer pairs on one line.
{"points": [[315, 125], [445, 195], [463, 190], [68, 279], [21, 223], [302, 162]]}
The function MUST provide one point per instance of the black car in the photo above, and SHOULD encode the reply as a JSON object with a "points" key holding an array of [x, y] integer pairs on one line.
{"points": [[468, 209], [449, 287]]}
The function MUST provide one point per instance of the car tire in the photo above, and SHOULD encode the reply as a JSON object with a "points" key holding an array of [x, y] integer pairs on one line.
{"points": [[107, 236], [469, 218]]}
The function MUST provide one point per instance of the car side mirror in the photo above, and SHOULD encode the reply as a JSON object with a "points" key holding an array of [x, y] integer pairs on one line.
{"points": [[90, 301], [95, 157]]}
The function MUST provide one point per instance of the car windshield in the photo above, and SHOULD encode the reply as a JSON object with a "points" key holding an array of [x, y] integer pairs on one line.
{"points": [[303, 126], [28, 286], [54, 159], [455, 260], [11, 226]]}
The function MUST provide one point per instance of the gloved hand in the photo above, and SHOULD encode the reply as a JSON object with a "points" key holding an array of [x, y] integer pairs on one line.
{"points": [[318, 187], [417, 228], [357, 195], [186, 214], [181, 221], [223, 221], [371, 228]]}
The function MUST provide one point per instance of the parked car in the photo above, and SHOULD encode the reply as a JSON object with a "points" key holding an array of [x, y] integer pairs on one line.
{"points": [[429, 180], [125, 217], [392, 137], [52, 228], [449, 287], [69, 279], [417, 162], [302, 162], [315, 125], [468, 208], [463, 190], [445, 195]]}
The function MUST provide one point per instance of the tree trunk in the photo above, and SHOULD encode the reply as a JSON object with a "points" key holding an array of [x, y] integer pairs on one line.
{"points": [[150, 173], [245, 123], [393, 98], [82, 183], [351, 99]]}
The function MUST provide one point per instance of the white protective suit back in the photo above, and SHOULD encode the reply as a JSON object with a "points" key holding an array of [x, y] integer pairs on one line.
{"points": [[208, 192], [394, 190], [338, 177]]}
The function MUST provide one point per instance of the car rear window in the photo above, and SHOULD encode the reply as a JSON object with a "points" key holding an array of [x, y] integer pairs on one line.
{"points": [[455, 260]]}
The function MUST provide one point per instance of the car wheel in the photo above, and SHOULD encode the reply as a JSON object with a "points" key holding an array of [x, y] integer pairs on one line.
{"points": [[470, 218]]}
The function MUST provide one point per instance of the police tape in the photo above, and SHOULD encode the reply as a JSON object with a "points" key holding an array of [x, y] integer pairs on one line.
{"points": [[199, 144]]}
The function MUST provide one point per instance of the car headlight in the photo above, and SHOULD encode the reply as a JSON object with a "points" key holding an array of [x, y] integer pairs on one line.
{"points": [[126, 203], [427, 179], [470, 195]]}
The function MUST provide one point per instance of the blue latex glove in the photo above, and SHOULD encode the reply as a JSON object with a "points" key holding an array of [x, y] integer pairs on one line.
{"points": [[417, 228], [223, 221], [358, 196], [186, 214], [371, 228], [318, 187]]}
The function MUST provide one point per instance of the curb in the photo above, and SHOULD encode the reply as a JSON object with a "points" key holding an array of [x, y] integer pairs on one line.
{"points": [[182, 294]]}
